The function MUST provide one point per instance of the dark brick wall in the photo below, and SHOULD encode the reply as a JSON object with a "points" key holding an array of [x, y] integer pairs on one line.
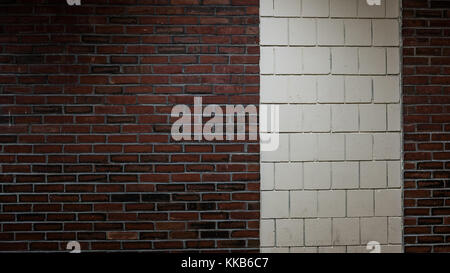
{"points": [[426, 88], [86, 152]]}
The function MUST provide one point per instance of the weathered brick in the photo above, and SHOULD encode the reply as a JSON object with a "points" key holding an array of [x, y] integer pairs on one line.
{"points": [[85, 124]]}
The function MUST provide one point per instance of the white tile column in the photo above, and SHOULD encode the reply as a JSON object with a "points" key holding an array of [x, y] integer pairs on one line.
{"points": [[334, 184]]}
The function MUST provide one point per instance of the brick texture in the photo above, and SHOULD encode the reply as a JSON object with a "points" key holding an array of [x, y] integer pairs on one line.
{"points": [[335, 182], [426, 88], [86, 153]]}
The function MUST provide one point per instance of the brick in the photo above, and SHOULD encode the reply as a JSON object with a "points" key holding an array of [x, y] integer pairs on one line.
{"points": [[267, 60], [281, 154], [288, 60], [266, 8], [330, 31], [360, 203], [274, 31], [359, 146], [388, 202], [290, 118], [394, 174], [358, 89], [393, 117], [303, 147], [289, 232], [317, 175], [344, 118], [331, 147], [330, 89], [109, 124], [392, 9], [372, 60], [122, 235], [393, 60], [270, 83], [275, 250], [318, 232], [288, 176], [316, 60], [267, 176], [154, 33], [345, 60], [345, 231], [386, 89], [332, 249], [367, 11], [303, 204], [316, 118], [286, 8], [372, 117], [302, 32], [278, 207], [331, 203], [318, 8], [374, 229], [302, 89], [267, 230], [395, 230], [345, 175], [358, 32], [303, 250], [343, 8], [373, 174], [385, 32], [386, 146]]}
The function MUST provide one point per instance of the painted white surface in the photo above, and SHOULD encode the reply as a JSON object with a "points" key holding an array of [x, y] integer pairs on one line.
{"points": [[334, 183]]}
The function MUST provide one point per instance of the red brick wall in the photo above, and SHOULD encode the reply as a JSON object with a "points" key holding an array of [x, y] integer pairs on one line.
{"points": [[86, 152], [426, 88]]}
